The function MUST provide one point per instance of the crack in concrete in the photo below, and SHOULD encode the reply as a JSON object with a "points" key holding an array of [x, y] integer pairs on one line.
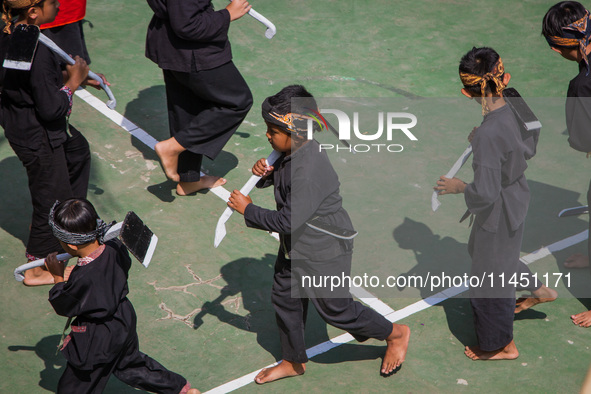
{"points": [[233, 303]]}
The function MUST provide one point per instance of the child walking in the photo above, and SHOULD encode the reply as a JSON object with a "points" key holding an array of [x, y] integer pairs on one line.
{"points": [[567, 28], [306, 187], [103, 338], [499, 198], [207, 98], [35, 107]]}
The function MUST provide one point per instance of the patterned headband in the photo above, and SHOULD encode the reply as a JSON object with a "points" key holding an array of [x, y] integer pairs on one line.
{"points": [[495, 75], [578, 34], [77, 238], [291, 123]]}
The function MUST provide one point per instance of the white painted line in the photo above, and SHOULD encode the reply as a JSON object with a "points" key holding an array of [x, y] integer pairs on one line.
{"points": [[140, 134], [395, 316], [360, 293], [548, 250], [236, 384], [330, 344], [134, 130], [371, 300]]}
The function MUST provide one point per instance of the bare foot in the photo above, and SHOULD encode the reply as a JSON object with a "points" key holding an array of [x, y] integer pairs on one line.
{"points": [[582, 319], [37, 277], [577, 260], [168, 151], [397, 347], [543, 294], [284, 369], [193, 391], [509, 352], [206, 182]]}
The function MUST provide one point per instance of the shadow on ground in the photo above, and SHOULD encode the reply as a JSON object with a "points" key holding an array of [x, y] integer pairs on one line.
{"points": [[149, 112], [253, 279], [46, 350]]}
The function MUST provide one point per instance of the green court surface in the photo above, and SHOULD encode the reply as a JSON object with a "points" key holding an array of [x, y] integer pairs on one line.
{"points": [[206, 312]]}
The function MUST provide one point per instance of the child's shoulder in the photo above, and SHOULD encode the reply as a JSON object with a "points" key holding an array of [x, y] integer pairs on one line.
{"points": [[580, 86], [116, 252], [115, 247]]}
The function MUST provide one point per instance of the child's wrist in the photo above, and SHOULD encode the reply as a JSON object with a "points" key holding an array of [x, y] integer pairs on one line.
{"points": [[58, 279]]}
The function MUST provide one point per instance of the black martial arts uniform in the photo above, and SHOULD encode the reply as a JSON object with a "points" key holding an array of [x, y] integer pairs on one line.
{"points": [[499, 198], [207, 98], [103, 340], [306, 186], [56, 156], [578, 119]]}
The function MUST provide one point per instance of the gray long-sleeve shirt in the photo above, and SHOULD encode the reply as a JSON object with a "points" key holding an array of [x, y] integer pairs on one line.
{"points": [[306, 186], [499, 163]]}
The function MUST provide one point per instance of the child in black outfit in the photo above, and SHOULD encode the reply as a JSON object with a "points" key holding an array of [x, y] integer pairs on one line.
{"points": [[207, 98], [35, 107], [306, 187], [103, 340]]}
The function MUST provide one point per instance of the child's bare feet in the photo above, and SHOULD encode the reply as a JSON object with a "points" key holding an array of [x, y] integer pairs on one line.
{"points": [[193, 391], [206, 182], [577, 260], [168, 151], [543, 294], [284, 369], [509, 352], [397, 347], [582, 319], [37, 276]]}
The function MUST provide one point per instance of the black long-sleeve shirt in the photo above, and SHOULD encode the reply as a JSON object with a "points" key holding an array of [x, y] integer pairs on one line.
{"points": [[578, 110], [34, 109], [188, 35], [96, 294]]}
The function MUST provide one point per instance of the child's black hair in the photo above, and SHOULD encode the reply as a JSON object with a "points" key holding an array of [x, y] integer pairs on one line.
{"points": [[76, 215], [561, 15], [281, 102], [479, 61]]}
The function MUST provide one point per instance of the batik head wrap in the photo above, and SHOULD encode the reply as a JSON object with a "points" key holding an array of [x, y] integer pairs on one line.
{"points": [[495, 75], [578, 34], [77, 238], [8, 5], [292, 123]]}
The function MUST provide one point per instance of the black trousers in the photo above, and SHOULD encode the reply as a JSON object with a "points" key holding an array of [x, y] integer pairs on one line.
{"points": [[70, 38], [290, 301], [495, 257], [132, 367], [54, 174], [204, 110]]}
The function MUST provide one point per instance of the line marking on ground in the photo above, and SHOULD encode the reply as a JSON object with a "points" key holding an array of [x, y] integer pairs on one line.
{"points": [[358, 292], [395, 316], [141, 135], [134, 130]]}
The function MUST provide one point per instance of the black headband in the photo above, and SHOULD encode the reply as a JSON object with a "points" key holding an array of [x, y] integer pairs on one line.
{"points": [[77, 238]]}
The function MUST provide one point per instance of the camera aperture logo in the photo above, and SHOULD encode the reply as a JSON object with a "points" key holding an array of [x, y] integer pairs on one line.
{"points": [[392, 124]]}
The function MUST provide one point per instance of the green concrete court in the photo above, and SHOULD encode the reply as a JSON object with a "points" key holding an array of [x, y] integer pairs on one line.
{"points": [[206, 312]]}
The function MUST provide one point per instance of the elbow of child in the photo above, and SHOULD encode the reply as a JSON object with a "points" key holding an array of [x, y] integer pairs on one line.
{"points": [[191, 32], [48, 115]]}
